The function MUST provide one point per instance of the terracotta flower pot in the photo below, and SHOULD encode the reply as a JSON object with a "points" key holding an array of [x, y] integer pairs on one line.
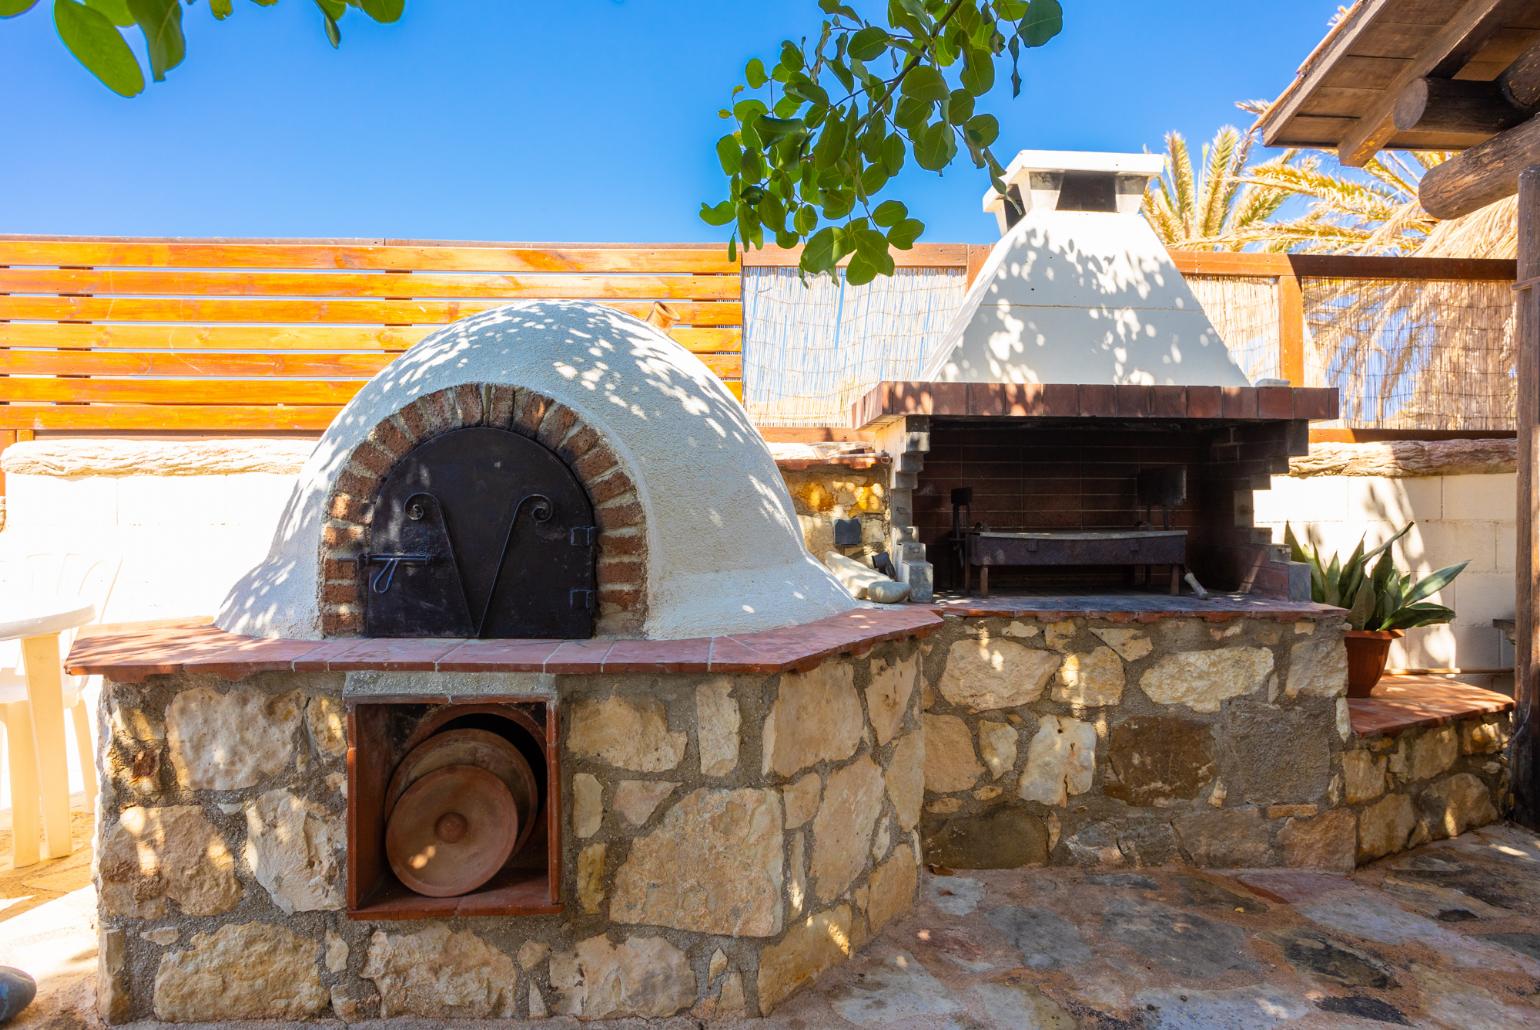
{"points": [[1367, 650]]}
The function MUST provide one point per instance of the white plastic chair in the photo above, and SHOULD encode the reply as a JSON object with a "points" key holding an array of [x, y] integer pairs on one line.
{"points": [[45, 578]]}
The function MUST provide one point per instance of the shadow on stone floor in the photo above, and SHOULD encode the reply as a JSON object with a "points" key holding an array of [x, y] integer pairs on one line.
{"points": [[1444, 936], [47, 927], [1447, 935]]}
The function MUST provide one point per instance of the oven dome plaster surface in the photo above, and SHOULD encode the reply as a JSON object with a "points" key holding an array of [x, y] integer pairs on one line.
{"points": [[725, 552]]}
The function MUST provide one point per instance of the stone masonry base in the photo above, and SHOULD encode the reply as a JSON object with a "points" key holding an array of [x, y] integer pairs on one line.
{"points": [[725, 838]]}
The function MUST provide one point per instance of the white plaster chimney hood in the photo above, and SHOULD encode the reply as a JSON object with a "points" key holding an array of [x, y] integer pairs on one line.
{"points": [[1079, 289]]}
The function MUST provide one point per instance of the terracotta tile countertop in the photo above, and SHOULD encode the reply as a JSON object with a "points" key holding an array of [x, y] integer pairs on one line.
{"points": [[131, 652], [1131, 607], [1404, 702]]}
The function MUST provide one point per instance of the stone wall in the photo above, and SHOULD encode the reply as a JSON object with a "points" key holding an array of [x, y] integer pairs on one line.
{"points": [[1426, 783], [1093, 742], [825, 493], [725, 838]]}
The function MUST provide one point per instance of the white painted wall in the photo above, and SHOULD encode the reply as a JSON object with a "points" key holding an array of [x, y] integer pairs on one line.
{"points": [[1457, 518], [181, 540]]}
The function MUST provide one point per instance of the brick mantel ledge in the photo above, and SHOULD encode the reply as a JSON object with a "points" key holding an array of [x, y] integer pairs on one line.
{"points": [[131, 652]]}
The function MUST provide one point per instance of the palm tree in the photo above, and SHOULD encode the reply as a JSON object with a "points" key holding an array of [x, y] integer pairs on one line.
{"points": [[1230, 206], [1217, 209], [1372, 212]]}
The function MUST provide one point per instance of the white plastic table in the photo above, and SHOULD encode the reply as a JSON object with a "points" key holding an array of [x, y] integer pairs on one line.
{"points": [[38, 629]]}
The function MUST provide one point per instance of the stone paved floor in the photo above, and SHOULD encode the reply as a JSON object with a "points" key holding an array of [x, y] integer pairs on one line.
{"points": [[1446, 936]]}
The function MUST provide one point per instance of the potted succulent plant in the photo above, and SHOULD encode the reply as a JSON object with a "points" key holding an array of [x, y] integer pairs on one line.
{"points": [[1381, 602]]}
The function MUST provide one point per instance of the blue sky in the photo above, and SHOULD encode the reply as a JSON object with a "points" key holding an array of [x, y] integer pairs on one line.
{"points": [[557, 120]]}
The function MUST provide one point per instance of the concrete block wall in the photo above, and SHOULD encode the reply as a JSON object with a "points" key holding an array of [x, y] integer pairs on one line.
{"points": [[1457, 518]]}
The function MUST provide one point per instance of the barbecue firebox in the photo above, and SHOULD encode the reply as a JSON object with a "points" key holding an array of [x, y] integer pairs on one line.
{"points": [[480, 532], [1138, 548], [1083, 396]]}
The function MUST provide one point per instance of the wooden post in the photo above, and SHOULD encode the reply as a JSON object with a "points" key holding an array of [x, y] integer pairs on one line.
{"points": [[1524, 768], [1291, 330]]}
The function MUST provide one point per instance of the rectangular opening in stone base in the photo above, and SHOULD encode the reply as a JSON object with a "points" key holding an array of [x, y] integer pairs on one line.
{"points": [[453, 809]]}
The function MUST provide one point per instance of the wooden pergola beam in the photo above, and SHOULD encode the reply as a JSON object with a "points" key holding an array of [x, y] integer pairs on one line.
{"points": [[1520, 83], [1474, 111], [1481, 175], [1461, 34]]}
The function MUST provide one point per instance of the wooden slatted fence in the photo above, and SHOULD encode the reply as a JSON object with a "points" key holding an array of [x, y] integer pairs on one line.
{"points": [[153, 335], [274, 335]]}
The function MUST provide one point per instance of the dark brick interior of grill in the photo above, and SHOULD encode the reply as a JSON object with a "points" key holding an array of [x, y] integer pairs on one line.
{"points": [[1048, 474]]}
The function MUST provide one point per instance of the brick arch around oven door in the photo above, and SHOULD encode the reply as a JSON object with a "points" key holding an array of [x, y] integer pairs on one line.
{"points": [[621, 563]]}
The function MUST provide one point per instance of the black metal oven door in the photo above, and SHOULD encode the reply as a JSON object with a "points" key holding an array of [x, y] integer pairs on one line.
{"points": [[480, 532]]}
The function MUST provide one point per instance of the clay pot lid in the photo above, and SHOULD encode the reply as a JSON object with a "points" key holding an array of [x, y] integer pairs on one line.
{"points": [[451, 831], [481, 748]]}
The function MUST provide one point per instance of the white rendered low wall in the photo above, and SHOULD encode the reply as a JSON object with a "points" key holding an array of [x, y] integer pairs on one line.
{"points": [[1458, 517], [194, 516], [183, 518]]}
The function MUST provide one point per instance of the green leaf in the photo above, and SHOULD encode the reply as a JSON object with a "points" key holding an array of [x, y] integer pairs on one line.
{"points": [[115, 10], [1043, 22], [96, 43], [818, 252], [161, 23], [754, 73], [11, 8], [805, 219], [772, 212], [903, 235], [1363, 605], [748, 110], [868, 43], [925, 84], [889, 213], [960, 106], [729, 154], [860, 271], [1297, 550], [978, 74], [220, 9], [872, 245], [1425, 614], [912, 113], [806, 89], [1386, 545], [791, 57], [773, 129], [1434, 583], [331, 10], [935, 147], [1011, 10], [873, 178], [383, 11], [983, 129], [721, 214]]}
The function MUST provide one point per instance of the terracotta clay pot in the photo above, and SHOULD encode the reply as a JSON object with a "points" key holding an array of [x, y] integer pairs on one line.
{"points": [[1367, 650]]}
